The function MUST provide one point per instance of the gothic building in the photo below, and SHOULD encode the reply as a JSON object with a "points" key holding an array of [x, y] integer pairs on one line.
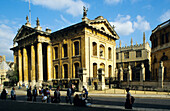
{"points": [[77, 54], [130, 60]]}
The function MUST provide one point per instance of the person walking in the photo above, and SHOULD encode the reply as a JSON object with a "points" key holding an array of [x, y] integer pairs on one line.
{"points": [[13, 94], [128, 103], [29, 94], [48, 95], [57, 95], [4, 94], [34, 92], [85, 92], [69, 93]]}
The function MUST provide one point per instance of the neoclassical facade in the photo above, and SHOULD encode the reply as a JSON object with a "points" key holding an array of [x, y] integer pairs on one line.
{"points": [[70, 55], [160, 39]]}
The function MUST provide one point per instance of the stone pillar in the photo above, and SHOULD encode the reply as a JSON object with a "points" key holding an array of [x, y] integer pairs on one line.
{"points": [[33, 65], [142, 73], [101, 76], [25, 65], [129, 75], [40, 63], [20, 66], [161, 75], [121, 74], [49, 63]]}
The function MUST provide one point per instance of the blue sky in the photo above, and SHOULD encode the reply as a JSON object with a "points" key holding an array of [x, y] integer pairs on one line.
{"points": [[130, 17]]}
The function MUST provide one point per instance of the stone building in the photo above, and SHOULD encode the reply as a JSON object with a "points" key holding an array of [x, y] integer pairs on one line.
{"points": [[133, 62], [4, 68], [81, 54], [160, 39]]}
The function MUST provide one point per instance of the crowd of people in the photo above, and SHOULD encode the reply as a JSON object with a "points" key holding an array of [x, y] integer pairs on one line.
{"points": [[78, 100]]}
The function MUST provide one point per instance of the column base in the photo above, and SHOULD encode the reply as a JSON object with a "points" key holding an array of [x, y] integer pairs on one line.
{"points": [[101, 85]]}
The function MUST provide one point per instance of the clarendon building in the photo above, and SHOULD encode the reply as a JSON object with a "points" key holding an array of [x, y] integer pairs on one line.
{"points": [[133, 64], [81, 54], [160, 39]]}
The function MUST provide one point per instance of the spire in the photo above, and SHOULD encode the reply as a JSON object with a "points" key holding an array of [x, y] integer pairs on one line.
{"points": [[143, 37], [120, 43], [38, 24], [27, 23], [131, 41]]}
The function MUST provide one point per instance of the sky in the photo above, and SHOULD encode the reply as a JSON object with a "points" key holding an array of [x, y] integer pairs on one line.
{"points": [[130, 17]]}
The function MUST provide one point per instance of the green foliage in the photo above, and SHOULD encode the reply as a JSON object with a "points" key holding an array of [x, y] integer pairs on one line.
{"points": [[13, 75]]}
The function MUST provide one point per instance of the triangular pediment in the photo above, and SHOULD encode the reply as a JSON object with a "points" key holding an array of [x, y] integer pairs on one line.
{"points": [[23, 31], [103, 25]]}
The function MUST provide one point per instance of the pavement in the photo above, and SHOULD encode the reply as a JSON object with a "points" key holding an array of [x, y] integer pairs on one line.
{"points": [[108, 93]]}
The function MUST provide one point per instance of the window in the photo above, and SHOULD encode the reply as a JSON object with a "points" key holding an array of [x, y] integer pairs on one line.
{"points": [[102, 51], [165, 73], [56, 72], [109, 53], [139, 53], [65, 50], [94, 48], [94, 70], [167, 39], [126, 55], [103, 28], [162, 39], [76, 69], [65, 70], [76, 48], [155, 42], [117, 56], [110, 71], [56, 52], [155, 60]]}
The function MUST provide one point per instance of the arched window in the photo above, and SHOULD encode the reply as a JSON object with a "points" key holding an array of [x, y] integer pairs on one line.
{"points": [[94, 48], [76, 48], [110, 71], [94, 70], [102, 65], [64, 52], [102, 51], [109, 53], [65, 70]]}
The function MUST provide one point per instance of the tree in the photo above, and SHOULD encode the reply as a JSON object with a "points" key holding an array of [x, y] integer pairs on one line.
{"points": [[12, 75]]}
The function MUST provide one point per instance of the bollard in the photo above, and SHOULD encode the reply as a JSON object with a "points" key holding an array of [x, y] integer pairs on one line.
{"points": [[114, 91], [135, 90], [124, 91]]}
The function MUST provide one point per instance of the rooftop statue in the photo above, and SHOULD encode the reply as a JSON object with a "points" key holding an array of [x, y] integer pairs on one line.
{"points": [[85, 11]]}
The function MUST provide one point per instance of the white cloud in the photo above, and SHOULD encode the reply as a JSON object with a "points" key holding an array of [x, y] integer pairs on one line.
{"points": [[165, 16], [6, 36], [141, 24], [73, 7], [125, 26], [65, 20], [113, 1]]}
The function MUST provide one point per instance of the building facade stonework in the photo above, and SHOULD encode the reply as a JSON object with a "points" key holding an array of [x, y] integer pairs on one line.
{"points": [[160, 39], [74, 54]]}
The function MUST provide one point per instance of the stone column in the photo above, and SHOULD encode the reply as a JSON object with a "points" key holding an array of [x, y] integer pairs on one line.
{"points": [[161, 75], [121, 74], [49, 63], [33, 65], [142, 73], [129, 75], [25, 65], [20, 66], [40, 63]]}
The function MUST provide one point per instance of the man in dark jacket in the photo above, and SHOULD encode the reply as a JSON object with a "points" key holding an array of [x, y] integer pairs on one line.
{"points": [[69, 93], [34, 92]]}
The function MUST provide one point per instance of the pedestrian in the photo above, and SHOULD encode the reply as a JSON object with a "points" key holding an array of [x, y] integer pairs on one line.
{"points": [[13, 94], [44, 95], [4, 94], [48, 95], [85, 92], [29, 94], [34, 92], [128, 103], [57, 95], [69, 94]]}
